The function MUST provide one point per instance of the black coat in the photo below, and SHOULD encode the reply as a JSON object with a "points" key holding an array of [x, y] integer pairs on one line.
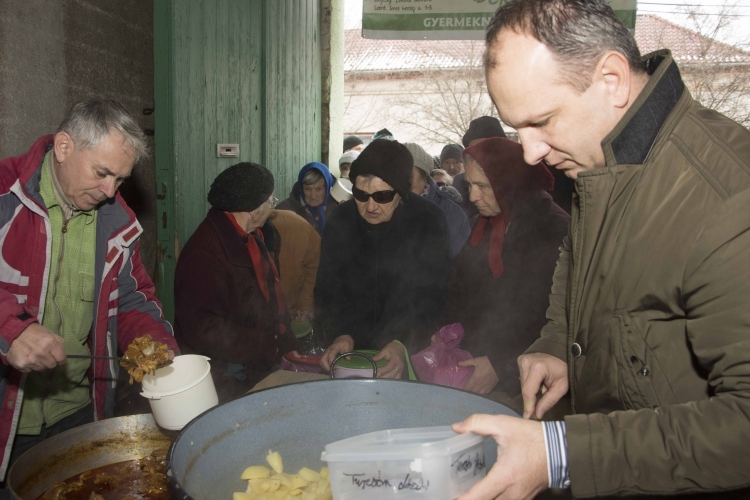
{"points": [[220, 311], [380, 283], [503, 316]]}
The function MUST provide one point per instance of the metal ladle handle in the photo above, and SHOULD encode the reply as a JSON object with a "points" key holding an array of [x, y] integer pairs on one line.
{"points": [[361, 355]]}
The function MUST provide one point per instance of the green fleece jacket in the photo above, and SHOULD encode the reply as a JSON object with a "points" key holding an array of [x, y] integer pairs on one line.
{"points": [[653, 283]]}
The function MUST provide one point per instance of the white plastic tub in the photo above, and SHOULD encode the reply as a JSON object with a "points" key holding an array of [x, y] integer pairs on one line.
{"points": [[181, 391], [427, 462]]}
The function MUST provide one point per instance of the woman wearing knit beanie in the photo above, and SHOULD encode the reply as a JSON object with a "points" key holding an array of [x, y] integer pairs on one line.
{"points": [[229, 303], [501, 279], [387, 289], [423, 185]]}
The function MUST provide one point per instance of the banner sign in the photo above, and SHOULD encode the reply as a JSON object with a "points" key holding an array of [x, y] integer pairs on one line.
{"points": [[446, 19]]}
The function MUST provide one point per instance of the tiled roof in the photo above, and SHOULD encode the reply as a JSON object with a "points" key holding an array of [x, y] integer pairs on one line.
{"points": [[651, 33], [361, 54], [654, 33]]}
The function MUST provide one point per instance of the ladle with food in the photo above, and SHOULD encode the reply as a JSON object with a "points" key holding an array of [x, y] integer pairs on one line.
{"points": [[143, 356]]}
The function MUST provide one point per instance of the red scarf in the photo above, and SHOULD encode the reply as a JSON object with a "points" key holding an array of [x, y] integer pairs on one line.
{"points": [[511, 180], [496, 241], [265, 269]]}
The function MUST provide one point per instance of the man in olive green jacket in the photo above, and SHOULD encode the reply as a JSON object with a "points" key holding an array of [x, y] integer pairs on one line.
{"points": [[649, 317]]}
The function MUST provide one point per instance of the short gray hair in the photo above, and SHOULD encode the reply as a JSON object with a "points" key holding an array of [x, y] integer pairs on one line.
{"points": [[91, 120], [311, 177], [577, 32]]}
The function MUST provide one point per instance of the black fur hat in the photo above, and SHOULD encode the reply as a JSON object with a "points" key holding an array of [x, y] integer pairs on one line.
{"points": [[389, 160]]}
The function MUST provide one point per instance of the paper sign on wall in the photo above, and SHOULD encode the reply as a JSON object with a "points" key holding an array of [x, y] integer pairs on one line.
{"points": [[445, 19]]}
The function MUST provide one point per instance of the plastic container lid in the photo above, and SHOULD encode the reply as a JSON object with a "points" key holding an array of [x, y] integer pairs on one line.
{"points": [[301, 328], [358, 363], [400, 444]]}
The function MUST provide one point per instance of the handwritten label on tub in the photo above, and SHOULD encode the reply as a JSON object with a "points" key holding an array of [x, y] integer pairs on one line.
{"points": [[363, 482], [467, 464]]}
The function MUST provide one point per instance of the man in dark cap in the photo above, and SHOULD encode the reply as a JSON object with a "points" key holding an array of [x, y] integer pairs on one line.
{"points": [[483, 127], [387, 289], [353, 143], [383, 133], [229, 304], [452, 160]]}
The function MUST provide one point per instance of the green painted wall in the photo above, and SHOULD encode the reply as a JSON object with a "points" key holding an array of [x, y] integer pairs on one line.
{"points": [[230, 71]]}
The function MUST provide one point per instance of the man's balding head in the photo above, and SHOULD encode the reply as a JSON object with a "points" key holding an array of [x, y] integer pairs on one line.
{"points": [[577, 32]]}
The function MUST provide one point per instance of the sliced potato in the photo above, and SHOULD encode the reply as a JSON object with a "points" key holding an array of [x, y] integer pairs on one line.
{"points": [[271, 485], [298, 482], [274, 460], [257, 486], [256, 472], [308, 474], [321, 487], [286, 480]]}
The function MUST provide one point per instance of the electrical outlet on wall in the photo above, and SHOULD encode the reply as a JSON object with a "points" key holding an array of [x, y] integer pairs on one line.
{"points": [[227, 150]]}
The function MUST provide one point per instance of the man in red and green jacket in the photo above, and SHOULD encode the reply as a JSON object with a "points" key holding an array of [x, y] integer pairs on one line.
{"points": [[59, 295]]}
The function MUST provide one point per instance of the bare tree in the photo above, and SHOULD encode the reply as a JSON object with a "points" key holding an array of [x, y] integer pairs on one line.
{"points": [[357, 88], [719, 77], [446, 99]]}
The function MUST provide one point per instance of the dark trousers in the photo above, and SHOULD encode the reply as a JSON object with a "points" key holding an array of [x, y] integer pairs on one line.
{"points": [[22, 443]]}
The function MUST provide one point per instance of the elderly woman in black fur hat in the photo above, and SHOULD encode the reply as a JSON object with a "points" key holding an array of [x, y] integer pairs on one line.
{"points": [[229, 304], [386, 289]]}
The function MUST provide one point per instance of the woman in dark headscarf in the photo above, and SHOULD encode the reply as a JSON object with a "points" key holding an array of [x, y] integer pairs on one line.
{"points": [[501, 279], [311, 195]]}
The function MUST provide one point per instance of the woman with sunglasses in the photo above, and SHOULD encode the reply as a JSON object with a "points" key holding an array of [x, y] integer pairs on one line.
{"points": [[500, 281], [384, 263]]}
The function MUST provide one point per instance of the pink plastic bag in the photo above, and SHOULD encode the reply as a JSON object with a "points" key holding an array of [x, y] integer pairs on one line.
{"points": [[303, 364], [438, 364]]}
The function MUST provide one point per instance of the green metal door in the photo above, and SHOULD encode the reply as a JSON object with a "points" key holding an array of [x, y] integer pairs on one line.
{"points": [[241, 72]]}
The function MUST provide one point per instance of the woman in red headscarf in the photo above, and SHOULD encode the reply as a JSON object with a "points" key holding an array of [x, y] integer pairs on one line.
{"points": [[501, 279]]}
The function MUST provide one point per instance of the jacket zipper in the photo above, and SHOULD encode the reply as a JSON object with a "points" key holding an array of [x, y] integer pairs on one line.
{"points": [[577, 251], [59, 314]]}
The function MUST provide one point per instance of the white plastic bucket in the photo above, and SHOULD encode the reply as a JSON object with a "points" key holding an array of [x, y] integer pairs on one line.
{"points": [[181, 391]]}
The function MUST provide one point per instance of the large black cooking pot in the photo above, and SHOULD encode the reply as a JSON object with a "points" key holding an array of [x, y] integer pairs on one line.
{"points": [[206, 459]]}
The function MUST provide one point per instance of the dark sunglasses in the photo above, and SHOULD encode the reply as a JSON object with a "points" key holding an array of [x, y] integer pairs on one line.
{"points": [[379, 197], [441, 184]]}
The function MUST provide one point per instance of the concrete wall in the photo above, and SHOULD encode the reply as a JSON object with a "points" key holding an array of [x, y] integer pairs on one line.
{"points": [[54, 52]]}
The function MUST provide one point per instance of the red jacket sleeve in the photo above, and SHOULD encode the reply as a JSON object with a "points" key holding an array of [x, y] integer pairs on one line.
{"points": [[13, 321], [139, 311]]}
